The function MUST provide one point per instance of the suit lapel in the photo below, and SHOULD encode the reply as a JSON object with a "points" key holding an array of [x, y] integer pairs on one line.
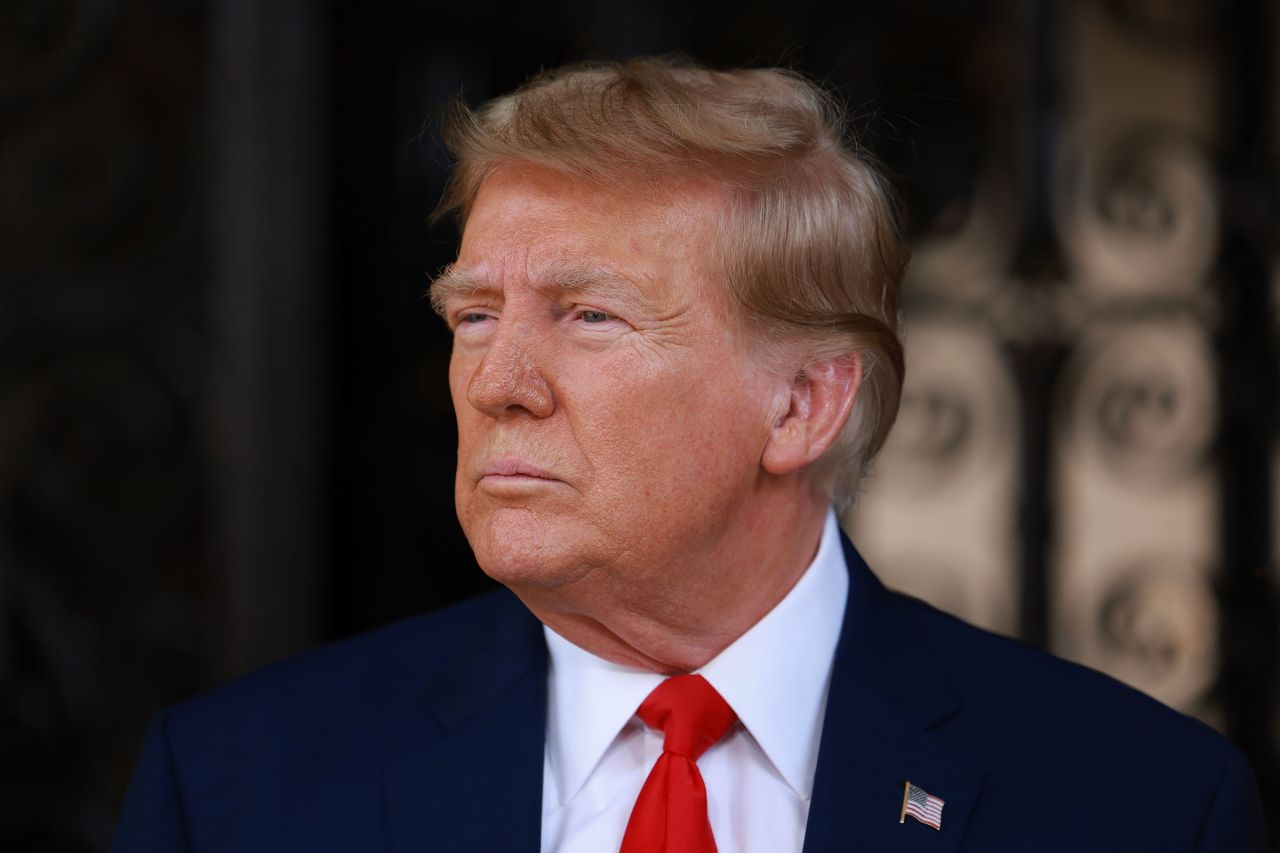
{"points": [[888, 691], [476, 783]]}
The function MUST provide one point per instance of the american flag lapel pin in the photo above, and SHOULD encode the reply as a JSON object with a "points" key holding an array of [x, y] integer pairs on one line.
{"points": [[921, 805]]}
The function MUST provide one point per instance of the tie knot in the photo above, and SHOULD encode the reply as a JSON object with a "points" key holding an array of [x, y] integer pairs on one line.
{"points": [[689, 712]]}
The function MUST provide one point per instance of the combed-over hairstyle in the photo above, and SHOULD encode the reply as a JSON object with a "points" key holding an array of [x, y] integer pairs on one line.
{"points": [[810, 246]]}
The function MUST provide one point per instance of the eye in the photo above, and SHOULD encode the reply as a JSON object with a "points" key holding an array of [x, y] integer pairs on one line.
{"points": [[470, 318], [592, 316]]}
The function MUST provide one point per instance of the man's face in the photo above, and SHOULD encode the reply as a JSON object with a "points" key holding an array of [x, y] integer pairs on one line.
{"points": [[610, 418]]}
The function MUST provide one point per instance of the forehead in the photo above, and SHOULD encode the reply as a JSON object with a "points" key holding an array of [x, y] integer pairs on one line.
{"points": [[527, 219]]}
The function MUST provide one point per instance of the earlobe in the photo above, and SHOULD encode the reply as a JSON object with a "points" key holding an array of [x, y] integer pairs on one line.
{"points": [[820, 398]]}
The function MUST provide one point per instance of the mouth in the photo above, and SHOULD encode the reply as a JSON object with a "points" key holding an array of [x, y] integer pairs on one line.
{"points": [[513, 472]]}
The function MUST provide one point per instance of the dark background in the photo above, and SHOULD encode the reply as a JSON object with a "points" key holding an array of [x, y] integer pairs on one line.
{"points": [[225, 433]]}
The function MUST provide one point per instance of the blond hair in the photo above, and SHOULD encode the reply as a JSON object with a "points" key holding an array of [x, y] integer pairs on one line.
{"points": [[810, 246]]}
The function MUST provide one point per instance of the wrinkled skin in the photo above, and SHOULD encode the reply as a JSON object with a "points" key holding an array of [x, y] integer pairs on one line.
{"points": [[626, 464]]}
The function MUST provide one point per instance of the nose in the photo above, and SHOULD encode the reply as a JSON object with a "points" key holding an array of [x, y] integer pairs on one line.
{"points": [[508, 381]]}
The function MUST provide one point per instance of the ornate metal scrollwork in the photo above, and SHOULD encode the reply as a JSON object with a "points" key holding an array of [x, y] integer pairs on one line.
{"points": [[1142, 396], [956, 406], [1137, 213], [99, 485], [1153, 623]]}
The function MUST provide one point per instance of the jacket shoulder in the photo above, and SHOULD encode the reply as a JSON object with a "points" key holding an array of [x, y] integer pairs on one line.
{"points": [[1032, 690], [294, 756], [360, 694], [1087, 748], [399, 657]]}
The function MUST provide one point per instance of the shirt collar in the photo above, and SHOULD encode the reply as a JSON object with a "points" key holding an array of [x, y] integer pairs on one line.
{"points": [[589, 700], [775, 677]]}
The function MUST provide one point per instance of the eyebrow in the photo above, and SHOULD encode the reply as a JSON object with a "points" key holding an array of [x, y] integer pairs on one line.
{"points": [[452, 282], [571, 276], [576, 277]]}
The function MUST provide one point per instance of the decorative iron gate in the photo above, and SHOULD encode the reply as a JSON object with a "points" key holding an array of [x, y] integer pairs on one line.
{"points": [[224, 427]]}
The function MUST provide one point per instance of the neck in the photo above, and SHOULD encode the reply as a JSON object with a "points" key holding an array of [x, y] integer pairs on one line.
{"points": [[677, 615]]}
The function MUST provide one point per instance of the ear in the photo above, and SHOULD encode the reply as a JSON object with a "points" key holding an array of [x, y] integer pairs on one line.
{"points": [[821, 398]]}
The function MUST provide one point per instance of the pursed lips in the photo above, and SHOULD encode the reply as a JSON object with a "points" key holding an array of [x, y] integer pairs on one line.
{"points": [[513, 467]]}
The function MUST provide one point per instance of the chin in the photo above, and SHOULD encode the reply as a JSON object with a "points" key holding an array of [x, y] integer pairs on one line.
{"points": [[522, 551]]}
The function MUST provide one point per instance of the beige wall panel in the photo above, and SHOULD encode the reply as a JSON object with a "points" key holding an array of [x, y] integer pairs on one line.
{"points": [[1136, 539], [935, 517]]}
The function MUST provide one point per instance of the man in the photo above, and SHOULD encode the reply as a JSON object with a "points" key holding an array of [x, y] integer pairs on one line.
{"points": [[675, 347]]}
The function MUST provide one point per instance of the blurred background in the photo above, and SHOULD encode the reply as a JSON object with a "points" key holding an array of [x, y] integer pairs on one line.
{"points": [[225, 434]]}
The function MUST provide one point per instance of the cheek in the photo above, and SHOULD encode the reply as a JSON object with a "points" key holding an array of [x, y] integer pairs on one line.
{"points": [[685, 426], [460, 371], [468, 425], [459, 375]]}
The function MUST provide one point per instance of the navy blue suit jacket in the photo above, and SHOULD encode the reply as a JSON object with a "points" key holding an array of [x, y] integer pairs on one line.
{"points": [[428, 736]]}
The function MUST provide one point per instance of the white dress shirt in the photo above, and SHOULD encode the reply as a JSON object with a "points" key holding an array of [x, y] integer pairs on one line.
{"points": [[759, 777]]}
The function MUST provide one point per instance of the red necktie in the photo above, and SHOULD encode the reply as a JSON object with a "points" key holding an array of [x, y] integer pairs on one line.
{"points": [[670, 815]]}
